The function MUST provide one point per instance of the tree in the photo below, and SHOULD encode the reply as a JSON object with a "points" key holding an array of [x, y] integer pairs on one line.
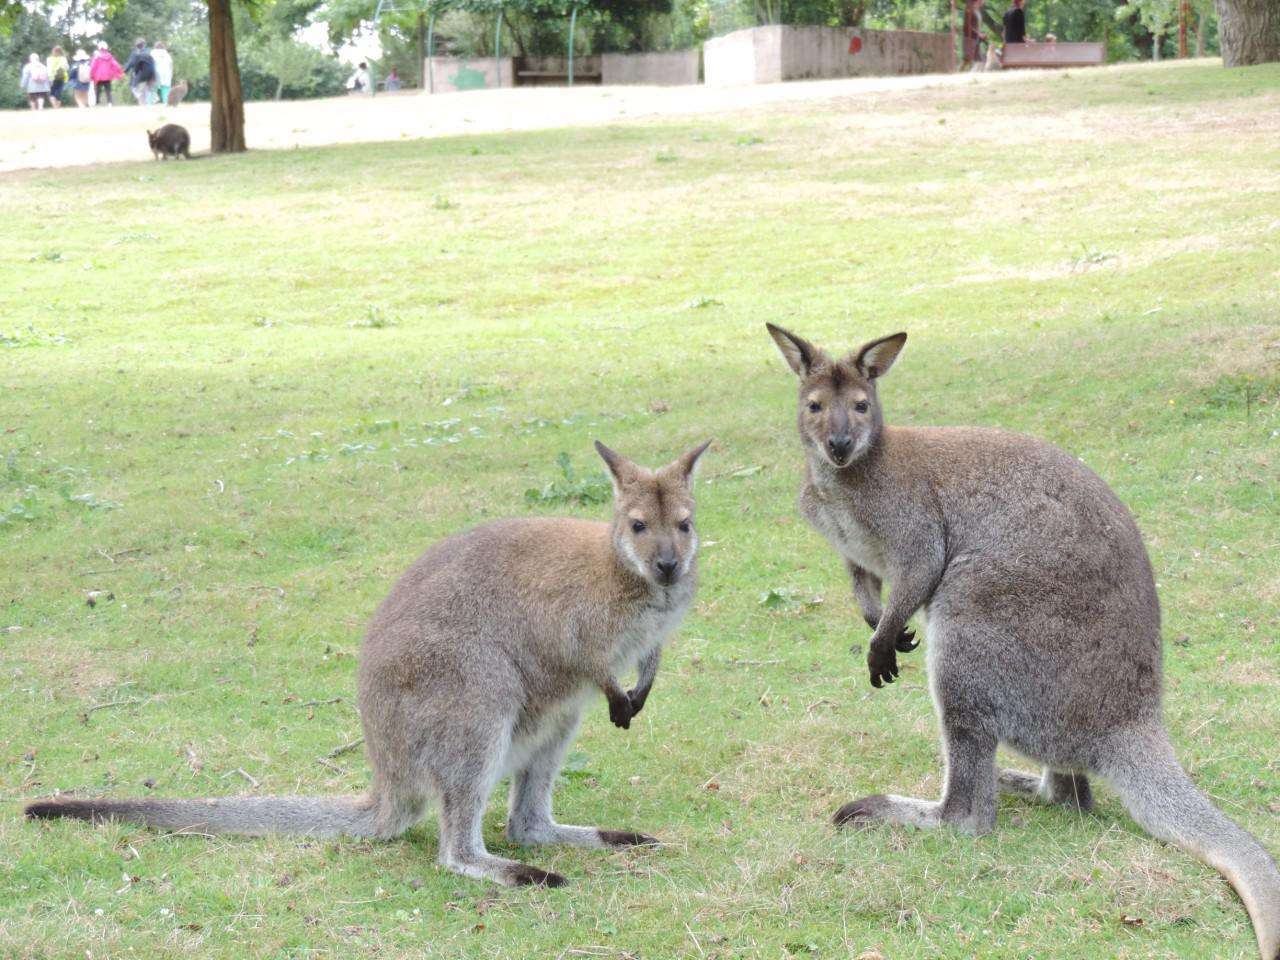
{"points": [[226, 98], [1156, 15], [1249, 31]]}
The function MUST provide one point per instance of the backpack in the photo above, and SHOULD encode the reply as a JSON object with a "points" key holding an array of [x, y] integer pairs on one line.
{"points": [[82, 72], [144, 69], [39, 74]]}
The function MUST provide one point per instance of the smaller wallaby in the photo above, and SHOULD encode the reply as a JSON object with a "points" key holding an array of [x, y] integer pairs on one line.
{"points": [[478, 665], [177, 92], [1042, 621], [170, 140]]}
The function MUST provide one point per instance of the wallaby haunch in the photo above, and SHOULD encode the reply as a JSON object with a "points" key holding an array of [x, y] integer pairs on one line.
{"points": [[477, 666], [170, 140], [1042, 620]]}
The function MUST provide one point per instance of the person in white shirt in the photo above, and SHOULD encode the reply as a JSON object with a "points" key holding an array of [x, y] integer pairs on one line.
{"points": [[164, 71]]}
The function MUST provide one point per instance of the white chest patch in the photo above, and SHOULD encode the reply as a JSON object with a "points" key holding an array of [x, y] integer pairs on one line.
{"points": [[648, 631], [851, 539]]}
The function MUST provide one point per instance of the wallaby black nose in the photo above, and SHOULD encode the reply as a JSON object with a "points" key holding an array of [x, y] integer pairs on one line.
{"points": [[840, 446], [666, 567]]}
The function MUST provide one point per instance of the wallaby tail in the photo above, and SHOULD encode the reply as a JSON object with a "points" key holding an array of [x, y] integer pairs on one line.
{"points": [[1160, 796], [251, 816]]}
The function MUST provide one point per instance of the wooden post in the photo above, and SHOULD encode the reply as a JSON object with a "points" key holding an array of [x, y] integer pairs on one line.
{"points": [[497, 49], [953, 35]]}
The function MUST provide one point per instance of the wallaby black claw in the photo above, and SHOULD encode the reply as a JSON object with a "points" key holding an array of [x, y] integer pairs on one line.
{"points": [[883, 663], [860, 812], [523, 876], [638, 697], [621, 711], [626, 838], [906, 641]]}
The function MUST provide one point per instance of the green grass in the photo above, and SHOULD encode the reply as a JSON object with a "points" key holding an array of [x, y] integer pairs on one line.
{"points": [[239, 395]]}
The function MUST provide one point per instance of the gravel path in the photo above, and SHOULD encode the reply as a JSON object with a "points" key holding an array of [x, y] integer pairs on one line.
{"points": [[71, 137]]}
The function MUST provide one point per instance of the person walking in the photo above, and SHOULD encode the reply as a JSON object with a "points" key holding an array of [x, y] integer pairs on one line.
{"points": [[361, 81], [103, 71], [141, 68], [35, 82], [59, 73], [164, 71], [79, 79]]}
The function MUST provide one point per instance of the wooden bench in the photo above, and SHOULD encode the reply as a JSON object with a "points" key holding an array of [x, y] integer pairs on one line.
{"points": [[534, 77], [1054, 54]]}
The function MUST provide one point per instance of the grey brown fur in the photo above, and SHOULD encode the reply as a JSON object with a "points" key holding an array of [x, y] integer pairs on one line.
{"points": [[1043, 625], [478, 666], [170, 140]]}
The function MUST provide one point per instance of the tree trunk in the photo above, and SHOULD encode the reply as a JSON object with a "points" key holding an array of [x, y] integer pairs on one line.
{"points": [[422, 46], [1200, 35], [279, 87], [226, 124], [1249, 31]]}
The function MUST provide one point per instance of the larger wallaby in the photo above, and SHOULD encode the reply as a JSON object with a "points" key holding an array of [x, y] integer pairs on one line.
{"points": [[1042, 621], [478, 666]]}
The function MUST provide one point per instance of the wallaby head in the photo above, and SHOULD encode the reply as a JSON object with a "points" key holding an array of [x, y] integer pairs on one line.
{"points": [[839, 414], [653, 514]]}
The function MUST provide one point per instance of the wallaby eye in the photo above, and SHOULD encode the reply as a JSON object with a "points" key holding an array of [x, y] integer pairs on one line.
{"points": [[815, 406], [683, 526], [637, 526], [861, 406]]}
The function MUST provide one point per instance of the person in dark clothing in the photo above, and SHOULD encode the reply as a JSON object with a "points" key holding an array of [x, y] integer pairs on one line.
{"points": [[1015, 23], [141, 67]]}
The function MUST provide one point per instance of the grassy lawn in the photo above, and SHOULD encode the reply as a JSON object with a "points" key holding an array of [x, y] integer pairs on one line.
{"points": [[239, 395]]}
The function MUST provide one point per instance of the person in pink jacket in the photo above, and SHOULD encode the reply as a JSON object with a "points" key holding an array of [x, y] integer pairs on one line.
{"points": [[102, 71]]}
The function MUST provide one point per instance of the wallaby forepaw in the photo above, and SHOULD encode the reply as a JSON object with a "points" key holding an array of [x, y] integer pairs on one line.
{"points": [[637, 698], [906, 641], [526, 876], [861, 812], [626, 838], [883, 663], [621, 711]]}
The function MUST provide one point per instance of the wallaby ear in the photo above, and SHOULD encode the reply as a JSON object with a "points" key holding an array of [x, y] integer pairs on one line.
{"points": [[621, 470], [799, 353], [687, 464], [875, 359]]}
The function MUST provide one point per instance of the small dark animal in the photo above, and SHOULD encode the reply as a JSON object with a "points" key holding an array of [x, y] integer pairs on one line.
{"points": [[177, 92], [170, 141]]}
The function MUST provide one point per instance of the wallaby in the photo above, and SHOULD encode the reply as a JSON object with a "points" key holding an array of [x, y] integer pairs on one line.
{"points": [[170, 140], [1041, 615], [478, 665]]}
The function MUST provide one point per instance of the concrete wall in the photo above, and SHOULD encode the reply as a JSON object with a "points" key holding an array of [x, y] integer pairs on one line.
{"points": [[669, 68], [772, 53], [450, 74]]}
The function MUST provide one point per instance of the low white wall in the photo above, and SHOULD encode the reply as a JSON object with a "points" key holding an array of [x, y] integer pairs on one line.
{"points": [[772, 53], [450, 74], [666, 69]]}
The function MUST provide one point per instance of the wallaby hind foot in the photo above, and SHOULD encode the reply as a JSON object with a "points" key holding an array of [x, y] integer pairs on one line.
{"points": [[969, 801], [1070, 790]]}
